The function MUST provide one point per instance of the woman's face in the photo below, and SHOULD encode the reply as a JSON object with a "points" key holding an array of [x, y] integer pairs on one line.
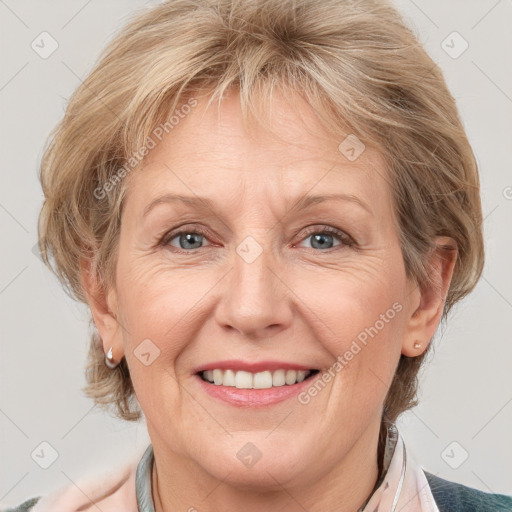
{"points": [[242, 252]]}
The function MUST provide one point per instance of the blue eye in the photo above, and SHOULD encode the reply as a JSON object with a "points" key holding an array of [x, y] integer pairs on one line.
{"points": [[187, 239], [324, 238]]}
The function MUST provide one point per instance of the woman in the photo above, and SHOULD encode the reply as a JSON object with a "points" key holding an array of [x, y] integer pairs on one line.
{"points": [[269, 207]]}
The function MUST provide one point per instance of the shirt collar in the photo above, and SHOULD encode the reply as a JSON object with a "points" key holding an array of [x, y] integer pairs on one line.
{"points": [[143, 482], [144, 469]]}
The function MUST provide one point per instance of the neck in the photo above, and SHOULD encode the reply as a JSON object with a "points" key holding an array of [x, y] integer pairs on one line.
{"points": [[179, 484]]}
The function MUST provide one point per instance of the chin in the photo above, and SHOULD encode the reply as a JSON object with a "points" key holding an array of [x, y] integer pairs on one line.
{"points": [[256, 462], [269, 475]]}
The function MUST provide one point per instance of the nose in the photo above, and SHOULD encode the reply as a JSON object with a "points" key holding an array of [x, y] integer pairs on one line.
{"points": [[255, 300]]}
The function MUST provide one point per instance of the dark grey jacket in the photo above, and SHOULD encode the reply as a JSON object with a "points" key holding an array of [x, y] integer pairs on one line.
{"points": [[453, 497], [449, 496]]}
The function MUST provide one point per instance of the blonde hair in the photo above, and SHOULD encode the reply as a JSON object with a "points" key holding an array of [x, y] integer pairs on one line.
{"points": [[357, 65]]}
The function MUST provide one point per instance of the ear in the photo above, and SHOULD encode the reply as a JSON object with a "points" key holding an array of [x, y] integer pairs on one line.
{"points": [[103, 306], [427, 304]]}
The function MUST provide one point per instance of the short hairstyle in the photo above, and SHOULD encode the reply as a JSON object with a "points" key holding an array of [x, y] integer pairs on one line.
{"points": [[354, 61]]}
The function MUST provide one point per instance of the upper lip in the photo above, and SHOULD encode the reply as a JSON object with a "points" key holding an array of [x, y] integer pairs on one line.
{"points": [[252, 367]]}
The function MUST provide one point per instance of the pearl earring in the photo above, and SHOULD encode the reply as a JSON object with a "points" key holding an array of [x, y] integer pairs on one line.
{"points": [[109, 360], [417, 345]]}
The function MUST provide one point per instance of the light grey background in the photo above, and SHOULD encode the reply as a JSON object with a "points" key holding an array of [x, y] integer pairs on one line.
{"points": [[466, 394]]}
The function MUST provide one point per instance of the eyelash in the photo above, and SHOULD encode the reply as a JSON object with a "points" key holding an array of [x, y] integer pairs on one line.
{"points": [[345, 239]]}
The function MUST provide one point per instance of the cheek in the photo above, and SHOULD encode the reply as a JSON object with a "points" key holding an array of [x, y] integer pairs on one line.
{"points": [[349, 305], [155, 298], [156, 330], [358, 317]]}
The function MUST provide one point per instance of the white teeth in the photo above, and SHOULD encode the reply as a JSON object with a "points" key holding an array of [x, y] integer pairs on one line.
{"points": [[243, 380], [301, 375], [278, 378], [229, 378], [218, 377], [261, 380], [291, 377]]}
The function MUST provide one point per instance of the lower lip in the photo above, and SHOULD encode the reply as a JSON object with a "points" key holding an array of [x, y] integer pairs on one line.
{"points": [[254, 397]]}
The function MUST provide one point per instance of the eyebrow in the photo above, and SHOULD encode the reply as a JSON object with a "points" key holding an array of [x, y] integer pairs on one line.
{"points": [[299, 204]]}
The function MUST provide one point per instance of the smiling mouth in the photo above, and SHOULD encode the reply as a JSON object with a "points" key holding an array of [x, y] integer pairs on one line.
{"points": [[261, 380]]}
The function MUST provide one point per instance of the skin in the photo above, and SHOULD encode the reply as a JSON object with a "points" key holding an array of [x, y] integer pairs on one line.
{"points": [[296, 302]]}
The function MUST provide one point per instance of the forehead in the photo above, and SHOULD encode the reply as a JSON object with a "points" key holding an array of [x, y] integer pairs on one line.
{"points": [[212, 152]]}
